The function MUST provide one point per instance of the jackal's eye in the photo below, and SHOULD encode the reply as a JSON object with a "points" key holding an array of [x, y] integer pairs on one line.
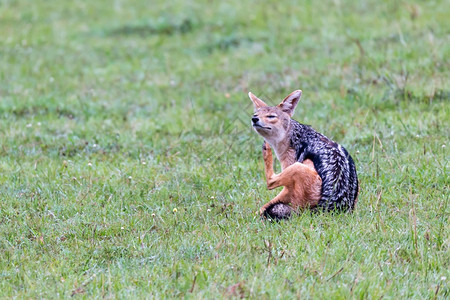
{"points": [[271, 116]]}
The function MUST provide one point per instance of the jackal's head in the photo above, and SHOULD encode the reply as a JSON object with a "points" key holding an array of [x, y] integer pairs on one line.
{"points": [[272, 122]]}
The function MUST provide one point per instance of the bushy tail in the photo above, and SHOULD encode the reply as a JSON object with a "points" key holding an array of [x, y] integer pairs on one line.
{"points": [[278, 211]]}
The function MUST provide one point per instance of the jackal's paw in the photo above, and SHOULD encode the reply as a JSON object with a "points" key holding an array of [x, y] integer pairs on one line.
{"points": [[266, 150], [262, 210], [264, 146]]}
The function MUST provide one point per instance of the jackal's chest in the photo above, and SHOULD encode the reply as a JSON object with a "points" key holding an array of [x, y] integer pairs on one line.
{"points": [[287, 158]]}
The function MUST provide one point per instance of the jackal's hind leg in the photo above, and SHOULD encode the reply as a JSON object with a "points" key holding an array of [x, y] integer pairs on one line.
{"points": [[282, 197], [268, 161], [272, 179], [302, 186]]}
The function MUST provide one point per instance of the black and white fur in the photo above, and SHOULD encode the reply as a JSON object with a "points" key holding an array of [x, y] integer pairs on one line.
{"points": [[334, 165]]}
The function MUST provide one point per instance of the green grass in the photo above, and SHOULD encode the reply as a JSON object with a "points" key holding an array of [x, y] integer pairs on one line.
{"points": [[115, 113]]}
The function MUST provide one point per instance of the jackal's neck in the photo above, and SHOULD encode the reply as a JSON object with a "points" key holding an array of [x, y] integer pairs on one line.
{"points": [[283, 150]]}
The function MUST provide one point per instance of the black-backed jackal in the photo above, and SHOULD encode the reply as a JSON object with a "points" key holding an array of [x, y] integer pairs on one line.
{"points": [[317, 172]]}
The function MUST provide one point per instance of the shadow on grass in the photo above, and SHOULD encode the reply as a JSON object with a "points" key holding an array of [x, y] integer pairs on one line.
{"points": [[227, 43], [161, 28]]}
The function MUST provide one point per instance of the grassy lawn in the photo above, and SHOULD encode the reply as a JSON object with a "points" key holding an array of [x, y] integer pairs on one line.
{"points": [[128, 166]]}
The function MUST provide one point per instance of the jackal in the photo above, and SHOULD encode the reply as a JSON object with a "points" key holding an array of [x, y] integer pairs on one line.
{"points": [[317, 173]]}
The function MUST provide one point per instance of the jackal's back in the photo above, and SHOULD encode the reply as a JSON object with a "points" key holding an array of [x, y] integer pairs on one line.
{"points": [[333, 164]]}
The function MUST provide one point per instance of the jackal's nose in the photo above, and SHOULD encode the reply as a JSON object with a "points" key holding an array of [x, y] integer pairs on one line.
{"points": [[255, 120]]}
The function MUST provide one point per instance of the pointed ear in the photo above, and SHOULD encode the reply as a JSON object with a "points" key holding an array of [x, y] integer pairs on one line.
{"points": [[257, 103], [290, 102]]}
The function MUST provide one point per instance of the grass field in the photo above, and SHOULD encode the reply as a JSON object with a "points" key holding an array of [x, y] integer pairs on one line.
{"points": [[128, 166]]}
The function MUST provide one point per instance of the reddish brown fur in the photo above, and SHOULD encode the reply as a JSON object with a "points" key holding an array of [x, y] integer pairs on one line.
{"points": [[302, 184]]}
